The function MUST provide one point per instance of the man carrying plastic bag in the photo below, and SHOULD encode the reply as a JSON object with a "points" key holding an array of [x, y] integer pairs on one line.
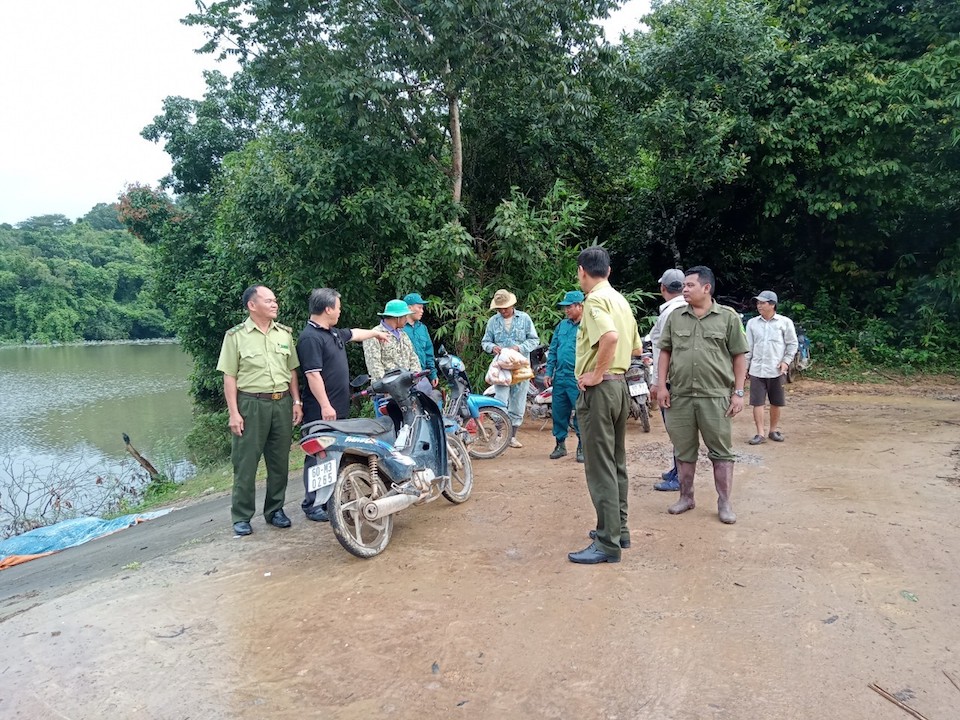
{"points": [[510, 329]]}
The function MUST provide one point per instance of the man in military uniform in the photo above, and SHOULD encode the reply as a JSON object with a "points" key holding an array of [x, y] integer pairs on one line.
{"points": [[419, 335], [703, 362], [258, 360], [561, 361], [607, 339]]}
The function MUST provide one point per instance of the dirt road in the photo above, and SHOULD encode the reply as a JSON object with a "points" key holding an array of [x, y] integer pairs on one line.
{"points": [[843, 569]]}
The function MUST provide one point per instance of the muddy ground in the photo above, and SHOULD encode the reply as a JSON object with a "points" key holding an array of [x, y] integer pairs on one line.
{"points": [[843, 570]]}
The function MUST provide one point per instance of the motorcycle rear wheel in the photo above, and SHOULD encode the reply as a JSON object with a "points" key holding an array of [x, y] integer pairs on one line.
{"points": [[491, 433], [645, 417], [460, 469], [359, 536]]}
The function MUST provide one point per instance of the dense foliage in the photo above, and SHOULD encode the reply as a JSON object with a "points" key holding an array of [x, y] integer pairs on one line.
{"points": [[64, 281], [384, 146]]}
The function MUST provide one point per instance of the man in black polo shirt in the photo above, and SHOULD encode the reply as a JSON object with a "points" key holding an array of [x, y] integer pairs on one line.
{"points": [[323, 361]]}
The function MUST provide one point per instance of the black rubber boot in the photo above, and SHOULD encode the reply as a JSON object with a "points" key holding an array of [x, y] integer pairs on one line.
{"points": [[559, 451]]}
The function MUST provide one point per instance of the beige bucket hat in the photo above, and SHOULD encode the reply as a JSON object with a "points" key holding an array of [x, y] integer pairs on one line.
{"points": [[503, 299]]}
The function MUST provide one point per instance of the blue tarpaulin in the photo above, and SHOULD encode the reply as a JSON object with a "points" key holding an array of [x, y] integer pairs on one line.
{"points": [[69, 533]]}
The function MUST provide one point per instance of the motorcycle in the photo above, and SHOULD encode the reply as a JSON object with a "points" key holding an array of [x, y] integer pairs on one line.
{"points": [[639, 377], [801, 361], [538, 363], [369, 469], [482, 422]]}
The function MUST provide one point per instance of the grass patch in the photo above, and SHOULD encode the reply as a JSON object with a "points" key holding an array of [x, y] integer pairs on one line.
{"points": [[211, 480]]}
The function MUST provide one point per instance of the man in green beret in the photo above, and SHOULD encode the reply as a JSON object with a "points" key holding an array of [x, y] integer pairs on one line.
{"points": [[420, 336], [258, 360], [561, 362]]}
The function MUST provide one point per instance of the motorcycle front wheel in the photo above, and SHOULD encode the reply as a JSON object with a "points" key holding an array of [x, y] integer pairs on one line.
{"points": [[460, 470], [490, 432], [358, 535]]}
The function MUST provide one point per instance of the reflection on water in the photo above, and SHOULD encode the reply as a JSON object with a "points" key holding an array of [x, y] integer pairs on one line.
{"points": [[69, 405]]}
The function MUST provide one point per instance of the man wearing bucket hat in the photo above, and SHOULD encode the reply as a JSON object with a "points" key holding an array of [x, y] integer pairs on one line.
{"points": [[420, 336], [773, 343], [510, 328], [561, 361], [398, 351], [671, 289]]}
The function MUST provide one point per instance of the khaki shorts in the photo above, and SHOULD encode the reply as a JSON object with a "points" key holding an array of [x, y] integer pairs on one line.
{"points": [[689, 418], [762, 388]]}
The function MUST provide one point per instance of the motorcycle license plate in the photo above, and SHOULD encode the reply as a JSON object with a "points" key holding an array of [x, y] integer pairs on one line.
{"points": [[322, 474], [638, 388]]}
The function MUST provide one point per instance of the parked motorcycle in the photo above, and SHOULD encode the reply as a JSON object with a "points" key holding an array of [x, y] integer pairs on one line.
{"points": [[538, 363], [368, 469], [801, 361], [481, 421], [639, 376]]}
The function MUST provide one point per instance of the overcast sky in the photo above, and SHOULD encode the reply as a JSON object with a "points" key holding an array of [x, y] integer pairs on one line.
{"points": [[79, 80]]}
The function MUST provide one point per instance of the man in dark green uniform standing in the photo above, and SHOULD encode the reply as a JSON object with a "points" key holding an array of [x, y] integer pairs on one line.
{"points": [[605, 342], [702, 357], [258, 360]]}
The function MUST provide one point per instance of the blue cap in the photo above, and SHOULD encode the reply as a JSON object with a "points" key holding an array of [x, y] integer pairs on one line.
{"points": [[572, 296], [414, 299]]}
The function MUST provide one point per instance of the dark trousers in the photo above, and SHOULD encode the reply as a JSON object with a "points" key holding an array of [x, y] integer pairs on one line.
{"points": [[267, 431], [603, 411], [565, 394]]}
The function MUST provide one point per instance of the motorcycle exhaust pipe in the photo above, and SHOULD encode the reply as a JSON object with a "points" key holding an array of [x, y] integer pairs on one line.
{"points": [[376, 509]]}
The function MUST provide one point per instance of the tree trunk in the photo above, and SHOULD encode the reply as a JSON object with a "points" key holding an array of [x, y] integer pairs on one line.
{"points": [[456, 169]]}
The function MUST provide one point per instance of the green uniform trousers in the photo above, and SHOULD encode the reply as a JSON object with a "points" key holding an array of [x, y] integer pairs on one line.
{"points": [[603, 411], [688, 418], [267, 431]]}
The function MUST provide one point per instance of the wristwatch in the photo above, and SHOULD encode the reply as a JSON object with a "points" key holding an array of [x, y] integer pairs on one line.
{"points": [[300, 402], [738, 393]]}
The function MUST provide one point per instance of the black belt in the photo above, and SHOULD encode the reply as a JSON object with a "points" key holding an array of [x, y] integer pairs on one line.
{"points": [[614, 377], [266, 396]]}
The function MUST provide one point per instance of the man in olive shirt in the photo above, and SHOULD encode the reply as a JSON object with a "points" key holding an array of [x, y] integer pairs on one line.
{"points": [[258, 360], [605, 342], [702, 356]]}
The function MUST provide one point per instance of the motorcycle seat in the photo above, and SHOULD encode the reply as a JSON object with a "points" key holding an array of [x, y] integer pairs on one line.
{"points": [[370, 427]]}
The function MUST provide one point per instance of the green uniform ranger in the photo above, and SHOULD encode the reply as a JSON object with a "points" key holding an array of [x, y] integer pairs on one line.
{"points": [[257, 359], [605, 342], [702, 370]]}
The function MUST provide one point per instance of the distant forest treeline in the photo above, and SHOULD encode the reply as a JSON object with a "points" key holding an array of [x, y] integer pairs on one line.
{"points": [[63, 281]]}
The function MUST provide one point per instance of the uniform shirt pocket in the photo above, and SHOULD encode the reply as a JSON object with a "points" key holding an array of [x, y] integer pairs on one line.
{"points": [[682, 339]]}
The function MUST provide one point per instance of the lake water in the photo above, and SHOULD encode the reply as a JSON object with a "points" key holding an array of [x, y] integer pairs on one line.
{"points": [[64, 409]]}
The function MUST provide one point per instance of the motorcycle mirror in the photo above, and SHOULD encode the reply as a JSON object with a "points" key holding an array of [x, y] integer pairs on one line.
{"points": [[441, 351], [359, 381]]}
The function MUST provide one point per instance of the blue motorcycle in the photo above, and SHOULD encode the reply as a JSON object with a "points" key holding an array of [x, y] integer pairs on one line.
{"points": [[369, 469], [482, 421]]}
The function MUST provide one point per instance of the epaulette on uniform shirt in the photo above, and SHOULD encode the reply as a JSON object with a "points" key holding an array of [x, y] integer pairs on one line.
{"points": [[235, 329], [286, 328]]}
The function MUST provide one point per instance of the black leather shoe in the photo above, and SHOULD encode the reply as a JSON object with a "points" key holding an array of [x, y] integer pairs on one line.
{"points": [[318, 515], [624, 540], [591, 555], [280, 520], [242, 528]]}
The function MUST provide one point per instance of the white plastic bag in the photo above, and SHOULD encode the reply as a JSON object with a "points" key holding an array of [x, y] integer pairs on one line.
{"points": [[511, 359], [496, 375]]}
